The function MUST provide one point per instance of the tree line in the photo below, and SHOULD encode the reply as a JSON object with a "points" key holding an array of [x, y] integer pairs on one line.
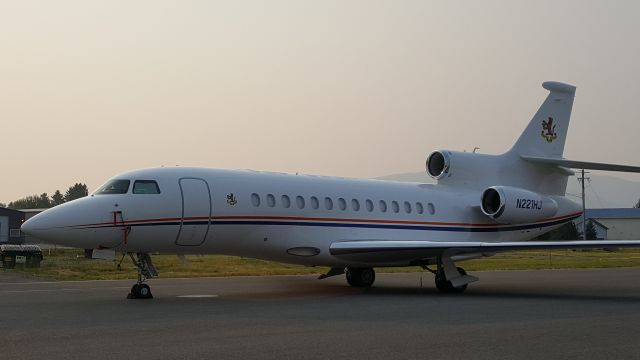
{"points": [[43, 201]]}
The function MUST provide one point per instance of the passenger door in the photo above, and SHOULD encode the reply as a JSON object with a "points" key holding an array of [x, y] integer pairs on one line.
{"points": [[196, 212]]}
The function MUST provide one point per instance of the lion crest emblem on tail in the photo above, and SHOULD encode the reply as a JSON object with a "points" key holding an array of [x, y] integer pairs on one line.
{"points": [[549, 130]]}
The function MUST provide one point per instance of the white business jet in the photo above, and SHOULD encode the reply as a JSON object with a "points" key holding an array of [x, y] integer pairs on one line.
{"points": [[481, 205]]}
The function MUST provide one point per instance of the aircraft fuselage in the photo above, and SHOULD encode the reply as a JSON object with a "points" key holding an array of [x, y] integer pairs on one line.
{"points": [[281, 217]]}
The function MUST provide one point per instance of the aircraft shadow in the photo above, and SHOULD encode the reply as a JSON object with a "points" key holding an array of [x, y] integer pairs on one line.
{"points": [[495, 292]]}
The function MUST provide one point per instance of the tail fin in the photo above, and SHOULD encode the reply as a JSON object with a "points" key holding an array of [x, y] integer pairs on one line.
{"points": [[546, 134]]}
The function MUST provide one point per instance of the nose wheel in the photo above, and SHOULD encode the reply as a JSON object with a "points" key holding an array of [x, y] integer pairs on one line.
{"points": [[140, 291], [146, 270]]}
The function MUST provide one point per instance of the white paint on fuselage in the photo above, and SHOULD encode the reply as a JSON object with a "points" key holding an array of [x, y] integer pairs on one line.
{"points": [[240, 229]]}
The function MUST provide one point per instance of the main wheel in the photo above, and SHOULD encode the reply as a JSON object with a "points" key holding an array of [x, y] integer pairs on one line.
{"points": [[446, 286], [361, 277]]}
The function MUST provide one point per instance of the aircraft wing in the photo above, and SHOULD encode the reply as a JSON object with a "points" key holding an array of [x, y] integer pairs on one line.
{"points": [[581, 164], [398, 250]]}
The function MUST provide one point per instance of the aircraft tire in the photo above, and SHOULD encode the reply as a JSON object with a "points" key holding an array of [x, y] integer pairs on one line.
{"points": [[361, 277], [140, 291], [144, 291], [445, 286]]}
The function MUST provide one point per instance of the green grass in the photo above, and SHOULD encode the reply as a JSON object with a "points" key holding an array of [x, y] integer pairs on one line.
{"points": [[69, 264]]}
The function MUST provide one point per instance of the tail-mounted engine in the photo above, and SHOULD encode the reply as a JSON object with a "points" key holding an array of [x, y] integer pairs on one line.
{"points": [[438, 164], [466, 168], [510, 205]]}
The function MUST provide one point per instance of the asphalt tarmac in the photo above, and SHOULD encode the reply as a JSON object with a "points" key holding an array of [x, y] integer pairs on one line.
{"points": [[563, 314]]}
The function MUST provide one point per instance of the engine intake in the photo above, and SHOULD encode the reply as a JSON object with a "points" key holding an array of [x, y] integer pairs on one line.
{"points": [[510, 205], [438, 164]]}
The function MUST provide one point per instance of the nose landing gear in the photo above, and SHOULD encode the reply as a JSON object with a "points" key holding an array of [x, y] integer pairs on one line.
{"points": [[146, 270]]}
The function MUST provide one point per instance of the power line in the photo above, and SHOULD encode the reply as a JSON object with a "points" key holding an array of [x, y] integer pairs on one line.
{"points": [[593, 190], [584, 213]]}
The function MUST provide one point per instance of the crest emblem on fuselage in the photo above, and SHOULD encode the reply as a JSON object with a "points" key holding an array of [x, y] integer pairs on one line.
{"points": [[549, 130], [231, 199]]}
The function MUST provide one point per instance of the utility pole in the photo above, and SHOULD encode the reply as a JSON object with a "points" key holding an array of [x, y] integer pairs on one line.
{"points": [[584, 213]]}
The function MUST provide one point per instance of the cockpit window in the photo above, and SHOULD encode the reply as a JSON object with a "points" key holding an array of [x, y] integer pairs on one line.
{"points": [[114, 187], [146, 187]]}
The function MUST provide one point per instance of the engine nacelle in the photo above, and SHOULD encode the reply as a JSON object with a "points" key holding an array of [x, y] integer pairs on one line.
{"points": [[510, 205], [466, 168], [438, 164]]}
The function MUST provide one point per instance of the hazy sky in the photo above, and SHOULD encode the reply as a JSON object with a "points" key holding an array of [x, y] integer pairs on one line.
{"points": [[89, 89]]}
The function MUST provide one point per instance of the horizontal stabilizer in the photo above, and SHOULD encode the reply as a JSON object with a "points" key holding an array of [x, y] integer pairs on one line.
{"points": [[581, 164]]}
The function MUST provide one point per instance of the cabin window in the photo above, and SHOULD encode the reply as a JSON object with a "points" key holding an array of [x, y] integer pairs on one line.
{"points": [[114, 187], [255, 199], [431, 208], [395, 206], [145, 187], [271, 200], [407, 207], [300, 202], [328, 203], [355, 204], [383, 205], [419, 208], [315, 204], [342, 204], [369, 205], [286, 202]]}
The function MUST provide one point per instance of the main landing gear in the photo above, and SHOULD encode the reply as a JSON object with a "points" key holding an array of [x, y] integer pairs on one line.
{"points": [[449, 278], [356, 277], [361, 277], [445, 286], [146, 270]]}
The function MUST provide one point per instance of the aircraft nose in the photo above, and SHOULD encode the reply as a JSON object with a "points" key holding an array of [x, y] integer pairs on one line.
{"points": [[28, 227], [41, 225], [70, 224], [52, 225]]}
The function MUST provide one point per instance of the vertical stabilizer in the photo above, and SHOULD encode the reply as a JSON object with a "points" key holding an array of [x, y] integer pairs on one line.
{"points": [[546, 134]]}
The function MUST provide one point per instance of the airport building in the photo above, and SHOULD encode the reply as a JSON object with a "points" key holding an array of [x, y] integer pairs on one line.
{"points": [[10, 222], [614, 223]]}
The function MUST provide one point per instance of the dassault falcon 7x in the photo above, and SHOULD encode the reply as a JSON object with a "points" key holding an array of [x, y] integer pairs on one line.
{"points": [[481, 205]]}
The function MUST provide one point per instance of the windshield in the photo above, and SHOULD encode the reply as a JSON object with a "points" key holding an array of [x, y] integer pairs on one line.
{"points": [[114, 187], [145, 187]]}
